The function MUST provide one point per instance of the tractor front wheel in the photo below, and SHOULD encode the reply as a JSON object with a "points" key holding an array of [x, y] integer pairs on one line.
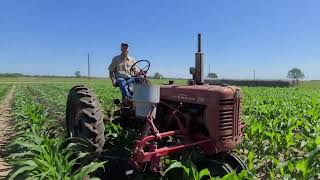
{"points": [[84, 119], [215, 165], [235, 162]]}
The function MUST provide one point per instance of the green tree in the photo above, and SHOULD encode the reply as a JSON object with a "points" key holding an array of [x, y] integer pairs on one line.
{"points": [[77, 74], [212, 75], [157, 76], [296, 74]]}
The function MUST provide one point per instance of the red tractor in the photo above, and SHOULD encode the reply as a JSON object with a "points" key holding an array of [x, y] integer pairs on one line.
{"points": [[164, 121]]}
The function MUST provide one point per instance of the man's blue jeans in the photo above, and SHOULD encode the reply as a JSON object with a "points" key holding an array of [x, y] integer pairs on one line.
{"points": [[124, 85]]}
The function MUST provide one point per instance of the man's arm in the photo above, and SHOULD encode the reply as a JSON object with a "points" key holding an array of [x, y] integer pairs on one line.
{"points": [[112, 69], [112, 77]]}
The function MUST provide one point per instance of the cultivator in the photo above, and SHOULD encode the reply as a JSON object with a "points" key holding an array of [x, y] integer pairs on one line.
{"points": [[170, 119]]}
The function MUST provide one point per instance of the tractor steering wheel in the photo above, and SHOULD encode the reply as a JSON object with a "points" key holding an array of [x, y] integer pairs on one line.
{"points": [[142, 71]]}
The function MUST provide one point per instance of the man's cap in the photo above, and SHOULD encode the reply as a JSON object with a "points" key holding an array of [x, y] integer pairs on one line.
{"points": [[125, 44]]}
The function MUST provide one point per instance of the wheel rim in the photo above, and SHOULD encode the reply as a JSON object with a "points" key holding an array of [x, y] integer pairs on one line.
{"points": [[235, 162], [220, 168]]}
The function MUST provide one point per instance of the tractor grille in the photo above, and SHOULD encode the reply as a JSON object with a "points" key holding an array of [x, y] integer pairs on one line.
{"points": [[237, 117], [228, 119]]}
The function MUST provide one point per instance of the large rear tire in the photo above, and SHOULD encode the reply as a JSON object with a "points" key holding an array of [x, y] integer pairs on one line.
{"points": [[84, 119]]}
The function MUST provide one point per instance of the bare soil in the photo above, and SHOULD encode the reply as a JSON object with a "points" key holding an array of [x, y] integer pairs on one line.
{"points": [[6, 131]]}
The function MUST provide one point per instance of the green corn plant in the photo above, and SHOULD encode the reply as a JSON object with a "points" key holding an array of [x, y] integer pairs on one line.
{"points": [[4, 90], [45, 158], [112, 130], [304, 166], [187, 172], [35, 155]]}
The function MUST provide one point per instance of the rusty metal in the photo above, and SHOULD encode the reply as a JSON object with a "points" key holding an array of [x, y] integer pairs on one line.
{"points": [[221, 115], [198, 71]]}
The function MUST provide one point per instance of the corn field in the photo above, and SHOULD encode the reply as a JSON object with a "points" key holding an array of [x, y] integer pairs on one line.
{"points": [[3, 90], [282, 135]]}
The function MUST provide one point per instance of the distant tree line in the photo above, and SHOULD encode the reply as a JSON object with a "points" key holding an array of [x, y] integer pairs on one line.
{"points": [[26, 75], [294, 74], [12, 75]]}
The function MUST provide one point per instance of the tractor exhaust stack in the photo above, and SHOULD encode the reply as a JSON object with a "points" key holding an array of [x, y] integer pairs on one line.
{"points": [[198, 70]]}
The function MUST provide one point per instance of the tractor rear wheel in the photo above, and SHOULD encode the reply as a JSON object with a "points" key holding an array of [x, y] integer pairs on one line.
{"points": [[84, 119]]}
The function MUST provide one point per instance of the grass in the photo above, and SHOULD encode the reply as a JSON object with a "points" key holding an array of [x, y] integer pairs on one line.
{"points": [[310, 84]]}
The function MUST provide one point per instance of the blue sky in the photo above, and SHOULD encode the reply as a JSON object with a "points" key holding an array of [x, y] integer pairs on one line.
{"points": [[53, 37]]}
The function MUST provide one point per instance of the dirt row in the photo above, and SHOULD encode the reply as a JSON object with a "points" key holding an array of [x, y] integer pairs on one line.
{"points": [[6, 130]]}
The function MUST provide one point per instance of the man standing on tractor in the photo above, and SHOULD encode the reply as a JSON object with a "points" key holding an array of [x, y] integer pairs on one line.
{"points": [[119, 70]]}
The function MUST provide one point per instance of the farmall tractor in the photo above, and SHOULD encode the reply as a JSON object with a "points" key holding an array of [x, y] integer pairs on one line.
{"points": [[166, 121]]}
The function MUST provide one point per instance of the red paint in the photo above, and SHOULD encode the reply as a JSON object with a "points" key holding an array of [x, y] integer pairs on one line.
{"points": [[221, 119]]}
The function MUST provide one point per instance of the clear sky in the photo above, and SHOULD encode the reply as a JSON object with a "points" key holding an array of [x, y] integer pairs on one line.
{"points": [[52, 37]]}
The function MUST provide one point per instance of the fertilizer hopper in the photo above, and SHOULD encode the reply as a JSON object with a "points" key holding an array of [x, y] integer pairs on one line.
{"points": [[145, 98]]}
